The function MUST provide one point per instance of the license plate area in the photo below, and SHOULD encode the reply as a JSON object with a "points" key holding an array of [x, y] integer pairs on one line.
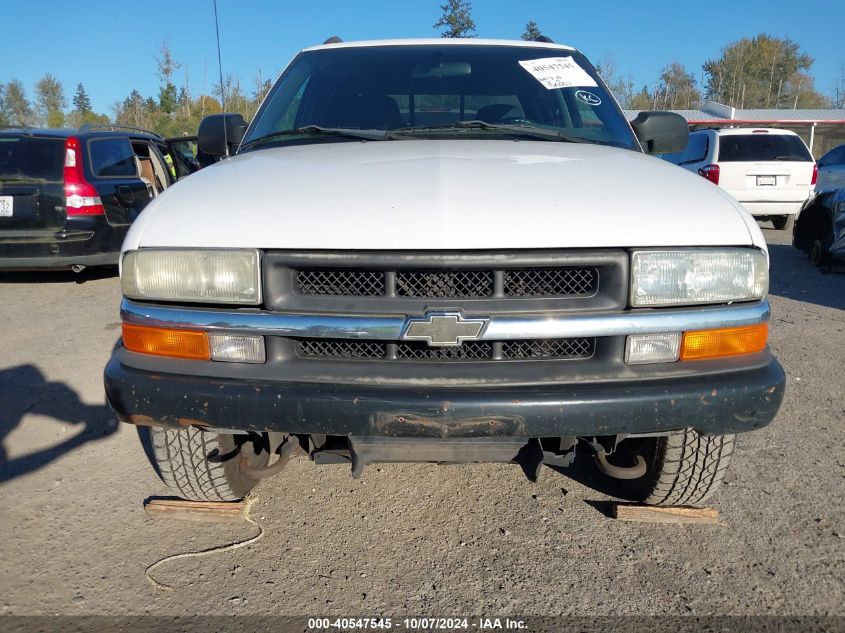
{"points": [[767, 181], [7, 206]]}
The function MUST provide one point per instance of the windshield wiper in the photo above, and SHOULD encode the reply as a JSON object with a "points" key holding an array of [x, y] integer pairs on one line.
{"points": [[520, 130], [318, 130]]}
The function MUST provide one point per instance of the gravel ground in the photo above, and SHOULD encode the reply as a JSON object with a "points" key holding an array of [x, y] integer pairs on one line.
{"points": [[407, 539]]}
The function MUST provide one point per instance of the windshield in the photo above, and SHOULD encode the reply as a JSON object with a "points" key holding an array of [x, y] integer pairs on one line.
{"points": [[427, 91]]}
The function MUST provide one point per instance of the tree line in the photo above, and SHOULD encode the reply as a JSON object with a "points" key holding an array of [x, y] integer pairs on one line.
{"points": [[172, 112], [753, 72]]}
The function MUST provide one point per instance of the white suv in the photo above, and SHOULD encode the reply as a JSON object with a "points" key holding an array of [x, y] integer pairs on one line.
{"points": [[771, 172], [444, 251]]}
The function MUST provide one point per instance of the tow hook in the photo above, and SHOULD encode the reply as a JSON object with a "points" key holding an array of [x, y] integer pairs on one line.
{"points": [[621, 472], [289, 449], [77, 268]]}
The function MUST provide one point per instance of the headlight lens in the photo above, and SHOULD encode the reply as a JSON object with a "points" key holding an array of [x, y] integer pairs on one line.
{"points": [[683, 277], [201, 276]]}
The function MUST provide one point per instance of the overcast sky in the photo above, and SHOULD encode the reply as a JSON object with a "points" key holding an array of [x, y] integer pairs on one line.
{"points": [[110, 45]]}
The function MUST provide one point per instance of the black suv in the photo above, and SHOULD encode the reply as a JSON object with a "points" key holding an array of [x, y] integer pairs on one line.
{"points": [[67, 197]]}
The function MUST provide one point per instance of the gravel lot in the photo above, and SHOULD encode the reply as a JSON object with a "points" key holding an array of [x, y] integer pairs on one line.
{"points": [[414, 539]]}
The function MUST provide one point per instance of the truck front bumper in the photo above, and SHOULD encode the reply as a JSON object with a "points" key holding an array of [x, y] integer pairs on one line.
{"points": [[712, 404]]}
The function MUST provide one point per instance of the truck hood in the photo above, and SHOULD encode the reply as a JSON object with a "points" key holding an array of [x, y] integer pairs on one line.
{"points": [[453, 194]]}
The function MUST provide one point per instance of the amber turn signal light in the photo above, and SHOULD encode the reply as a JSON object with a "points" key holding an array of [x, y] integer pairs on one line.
{"points": [[166, 342], [733, 341]]}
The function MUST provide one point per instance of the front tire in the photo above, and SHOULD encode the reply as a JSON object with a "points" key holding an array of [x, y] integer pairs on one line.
{"points": [[204, 466], [684, 468], [783, 222]]}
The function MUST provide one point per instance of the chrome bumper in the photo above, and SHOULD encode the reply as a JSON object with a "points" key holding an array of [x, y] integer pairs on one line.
{"points": [[501, 328]]}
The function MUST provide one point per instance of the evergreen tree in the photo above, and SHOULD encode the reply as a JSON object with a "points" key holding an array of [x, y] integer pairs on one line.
{"points": [[456, 19], [532, 32], [81, 102], [168, 98]]}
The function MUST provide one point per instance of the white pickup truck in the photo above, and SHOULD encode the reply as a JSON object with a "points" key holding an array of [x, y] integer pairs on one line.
{"points": [[444, 251]]}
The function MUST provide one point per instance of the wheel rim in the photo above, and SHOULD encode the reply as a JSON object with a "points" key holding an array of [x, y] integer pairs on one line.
{"points": [[816, 253]]}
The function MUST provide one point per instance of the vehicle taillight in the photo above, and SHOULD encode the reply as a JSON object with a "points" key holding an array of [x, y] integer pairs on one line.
{"points": [[815, 174], [80, 196], [711, 172]]}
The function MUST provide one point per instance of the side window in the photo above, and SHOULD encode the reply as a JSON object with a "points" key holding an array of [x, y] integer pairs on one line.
{"points": [[696, 150], [184, 153], [835, 158], [288, 120], [112, 157]]}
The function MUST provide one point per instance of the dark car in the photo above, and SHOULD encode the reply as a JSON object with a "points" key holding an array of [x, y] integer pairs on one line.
{"points": [[67, 197], [820, 229], [831, 171]]}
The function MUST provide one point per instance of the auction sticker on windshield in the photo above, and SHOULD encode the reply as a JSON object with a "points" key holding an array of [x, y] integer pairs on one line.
{"points": [[558, 72], [6, 206]]}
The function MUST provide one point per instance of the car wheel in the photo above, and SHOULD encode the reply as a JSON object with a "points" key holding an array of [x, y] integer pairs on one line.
{"points": [[683, 468], [818, 253], [783, 222], [204, 466]]}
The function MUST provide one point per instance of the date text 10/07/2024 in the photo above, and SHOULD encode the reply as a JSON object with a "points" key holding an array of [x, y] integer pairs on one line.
{"points": [[417, 623]]}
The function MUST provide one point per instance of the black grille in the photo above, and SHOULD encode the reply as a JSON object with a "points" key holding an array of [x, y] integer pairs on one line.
{"points": [[341, 348], [570, 348], [551, 282], [444, 283], [473, 350], [532, 349], [340, 282], [573, 281]]}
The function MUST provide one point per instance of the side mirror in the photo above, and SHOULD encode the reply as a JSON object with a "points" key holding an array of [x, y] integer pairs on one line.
{"points": [[220, 134], [661, 132]]}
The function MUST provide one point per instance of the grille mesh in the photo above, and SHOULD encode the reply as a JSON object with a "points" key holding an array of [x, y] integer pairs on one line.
{"points": [[340, 348], [551, 282], [450, 284], [471, 350], [550, 348], [533, 349], [444, 283], [340, 282]]}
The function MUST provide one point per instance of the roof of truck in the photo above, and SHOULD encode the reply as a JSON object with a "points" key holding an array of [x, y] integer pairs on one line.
{"points": [[442, 41]]}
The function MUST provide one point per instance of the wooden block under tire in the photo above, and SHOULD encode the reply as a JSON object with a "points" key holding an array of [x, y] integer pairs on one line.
{"points": [[665, 514], [198, 511]]}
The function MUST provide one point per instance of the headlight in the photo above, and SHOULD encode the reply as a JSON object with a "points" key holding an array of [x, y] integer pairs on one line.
{"points": [[201, 276], [682, 277]]}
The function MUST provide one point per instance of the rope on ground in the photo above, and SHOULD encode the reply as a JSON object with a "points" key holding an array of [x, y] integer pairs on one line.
{"points": [[248, 502]]}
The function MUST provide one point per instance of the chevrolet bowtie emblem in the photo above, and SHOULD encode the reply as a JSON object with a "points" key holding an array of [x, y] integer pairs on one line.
{"points": [[443, 329]]}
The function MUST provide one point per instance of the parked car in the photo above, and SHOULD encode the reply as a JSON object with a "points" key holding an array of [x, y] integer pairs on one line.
{"points": [[67, 197], [770, 171], [518, 282], [820, 229], [831, 171]]}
